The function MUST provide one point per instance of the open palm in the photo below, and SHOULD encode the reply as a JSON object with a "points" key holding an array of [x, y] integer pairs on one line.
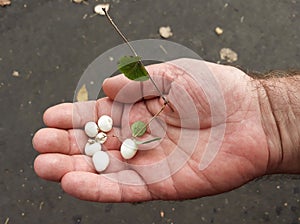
{"points": [[206, 148]]}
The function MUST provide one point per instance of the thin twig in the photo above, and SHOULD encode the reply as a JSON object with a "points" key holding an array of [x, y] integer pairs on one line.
{"points": [[135, 54], [155, 115], [119, 31]]}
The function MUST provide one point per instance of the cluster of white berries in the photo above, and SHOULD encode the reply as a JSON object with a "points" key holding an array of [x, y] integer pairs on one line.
{"points": [[97, 133]]}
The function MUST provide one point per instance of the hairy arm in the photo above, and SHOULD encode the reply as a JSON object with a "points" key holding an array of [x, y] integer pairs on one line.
{"points": [[279, 97]]}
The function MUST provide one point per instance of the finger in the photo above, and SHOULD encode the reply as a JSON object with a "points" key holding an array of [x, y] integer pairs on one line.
{"points": [[50, 140], [105, 188], [123, 90], [53, 166], [70, 115], [76, 115], [71, 142]]}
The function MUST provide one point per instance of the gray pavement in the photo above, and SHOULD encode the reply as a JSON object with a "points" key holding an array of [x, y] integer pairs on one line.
{"points": [[50, 44]]}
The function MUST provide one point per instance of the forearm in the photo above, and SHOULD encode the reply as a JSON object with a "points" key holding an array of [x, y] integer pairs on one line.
{"points": [[279, 99]]}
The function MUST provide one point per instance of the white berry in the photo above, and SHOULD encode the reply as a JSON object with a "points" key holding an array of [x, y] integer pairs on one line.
{"points": [[105, 123], [91, 129], [92, 147], [100, 161], [99, 9], [101, 138], [128, 149]]}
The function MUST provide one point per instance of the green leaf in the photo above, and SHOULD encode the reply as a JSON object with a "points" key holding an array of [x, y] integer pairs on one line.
{"points": [[138, 128], [148, 141], [132, 68]]}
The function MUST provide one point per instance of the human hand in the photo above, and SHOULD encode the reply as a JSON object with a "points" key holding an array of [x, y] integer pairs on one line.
{"points": [[171, 168]]}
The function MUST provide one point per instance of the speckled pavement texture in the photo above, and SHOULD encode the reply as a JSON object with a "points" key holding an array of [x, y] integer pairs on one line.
{"points": [[50, 43]]}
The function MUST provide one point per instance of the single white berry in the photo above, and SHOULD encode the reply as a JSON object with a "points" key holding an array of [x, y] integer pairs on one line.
{"points": [[91, 129], [101, 138], [128, 149], [92, 147], [105, 123], [100, 160], [99, 9]]}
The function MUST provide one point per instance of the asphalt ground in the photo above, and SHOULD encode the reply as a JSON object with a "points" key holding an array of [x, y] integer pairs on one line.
{"points": [[50, 44]]}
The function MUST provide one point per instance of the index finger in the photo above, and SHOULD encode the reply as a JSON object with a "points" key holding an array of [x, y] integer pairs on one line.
{"points": [[76, 115]]}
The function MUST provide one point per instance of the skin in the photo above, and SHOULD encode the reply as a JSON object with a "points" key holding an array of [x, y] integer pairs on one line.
{"points": [[246, 151]]}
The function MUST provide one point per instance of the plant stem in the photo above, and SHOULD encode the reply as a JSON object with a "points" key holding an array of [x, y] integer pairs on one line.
{"points": [[119, 31], [155, 115], [135, 54], [148, 141]]}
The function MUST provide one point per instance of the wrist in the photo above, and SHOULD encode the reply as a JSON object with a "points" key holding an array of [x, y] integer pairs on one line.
{"points": [[279, 100]]}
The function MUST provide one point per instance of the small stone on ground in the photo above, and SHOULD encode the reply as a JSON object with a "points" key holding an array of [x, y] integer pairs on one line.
{"points": [[165, 32], [228, 55], [219, 31]]}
